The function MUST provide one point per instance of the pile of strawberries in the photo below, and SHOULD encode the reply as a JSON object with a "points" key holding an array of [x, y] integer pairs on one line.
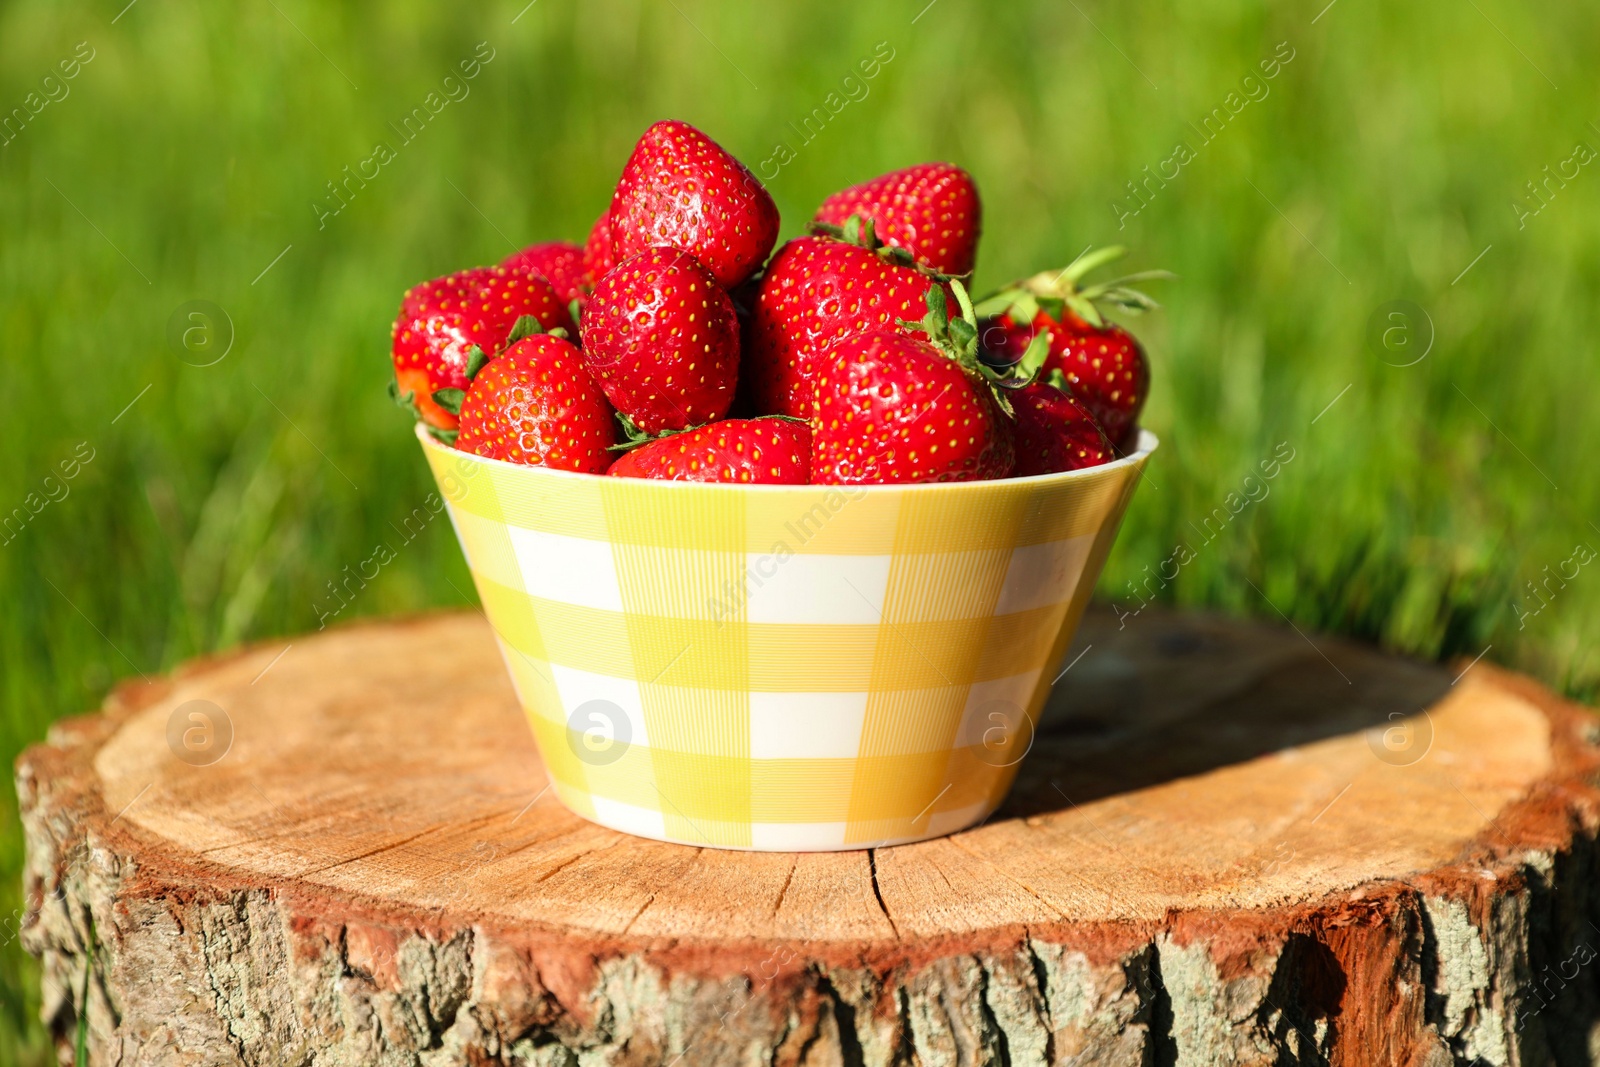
{"points": [[672, 346]]}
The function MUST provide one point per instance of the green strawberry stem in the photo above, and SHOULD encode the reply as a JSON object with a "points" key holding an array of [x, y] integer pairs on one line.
{"points": [[1033, 358], [1089, 260], [1053, 291]]}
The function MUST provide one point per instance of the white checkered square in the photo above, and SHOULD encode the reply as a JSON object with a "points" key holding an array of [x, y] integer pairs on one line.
{"points": [[1041, 575], [570, 570], [628, 818], [798, 836], [995, 711], [580, 687], [806, 725], [840, 590]]}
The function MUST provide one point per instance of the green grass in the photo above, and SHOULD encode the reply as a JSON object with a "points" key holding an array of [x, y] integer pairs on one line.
{"points": [[1384, 158]]}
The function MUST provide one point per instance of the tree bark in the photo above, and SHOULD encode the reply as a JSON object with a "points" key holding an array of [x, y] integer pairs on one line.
{"points": [[1228, 845]]}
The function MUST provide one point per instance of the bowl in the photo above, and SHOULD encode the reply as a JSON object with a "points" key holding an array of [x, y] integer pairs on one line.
{"points": [[782, 668]]}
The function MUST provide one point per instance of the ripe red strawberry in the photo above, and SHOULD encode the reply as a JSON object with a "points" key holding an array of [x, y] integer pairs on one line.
{"points": [[443, 320], [1103, 366], [681, 189], [891, 408], [558, 262], [756, 451], [931, 210], [597, 257], [536, 404], [1054, 432], [816, 291], [660, 336], [1102, 363]]}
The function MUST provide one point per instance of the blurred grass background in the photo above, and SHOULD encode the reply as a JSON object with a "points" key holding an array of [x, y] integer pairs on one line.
{"points": [[184, 160]]}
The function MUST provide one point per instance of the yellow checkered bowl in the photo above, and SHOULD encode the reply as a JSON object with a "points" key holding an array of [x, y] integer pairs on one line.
{"points": [[789, 668]]}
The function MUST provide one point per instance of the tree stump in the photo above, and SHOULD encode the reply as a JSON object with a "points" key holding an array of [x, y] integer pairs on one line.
{"points": [[1229, 845]]}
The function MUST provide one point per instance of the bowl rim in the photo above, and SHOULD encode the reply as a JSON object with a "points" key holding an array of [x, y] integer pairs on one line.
{"points": [[1148, 443]]}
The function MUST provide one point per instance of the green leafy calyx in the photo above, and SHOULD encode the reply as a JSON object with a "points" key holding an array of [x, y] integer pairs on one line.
{"points": [[408, 401], [862, 231], [525, 326], [957, 338], [450, 399], [633, 437]]}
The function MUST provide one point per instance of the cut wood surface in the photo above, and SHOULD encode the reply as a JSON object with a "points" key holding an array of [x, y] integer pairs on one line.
{"points": [[1229, 844]]}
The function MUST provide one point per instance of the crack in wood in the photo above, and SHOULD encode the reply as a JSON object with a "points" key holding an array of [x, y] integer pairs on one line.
{"points": [[877, 892], [390, 847], [1008, 876], [629, 924], [794, 863]]}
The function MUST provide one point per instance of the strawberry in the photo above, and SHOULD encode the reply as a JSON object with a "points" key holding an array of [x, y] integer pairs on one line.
{"points": [[1055, 432], [891, 408], [536, 404], [682, 190], [443, 320], [770, 451], [660, 337], [1102, 364], [558, 262], [597, 258], [816, 291], [931, 210]]}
